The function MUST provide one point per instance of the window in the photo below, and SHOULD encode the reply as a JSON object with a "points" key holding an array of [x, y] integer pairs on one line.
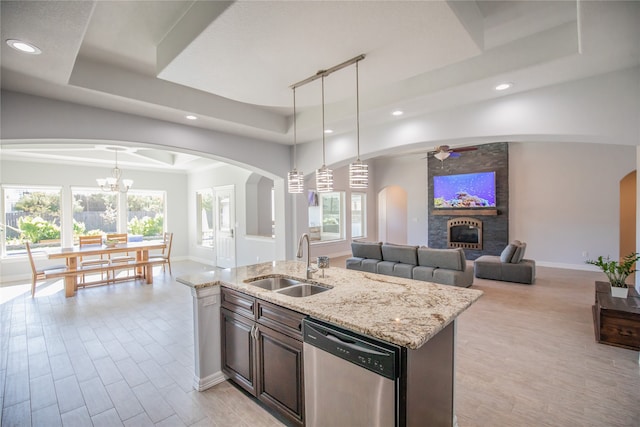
{"points": [[204, 202], [31, 214], [146, 214], [326, 217], [358, 215], [94, 212]]}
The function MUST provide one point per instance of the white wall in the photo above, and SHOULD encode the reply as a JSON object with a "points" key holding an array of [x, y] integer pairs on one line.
{"points": [[565, 200], [66, 176]]}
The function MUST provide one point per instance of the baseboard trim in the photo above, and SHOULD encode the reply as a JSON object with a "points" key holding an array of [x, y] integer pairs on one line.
{"points": [[202, 384]]}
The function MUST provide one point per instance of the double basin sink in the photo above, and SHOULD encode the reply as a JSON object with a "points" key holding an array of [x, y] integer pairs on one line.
{"points": [[288, 286]]}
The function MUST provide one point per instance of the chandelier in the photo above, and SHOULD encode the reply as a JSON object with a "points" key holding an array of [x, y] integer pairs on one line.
{"points": [[113, 183]]}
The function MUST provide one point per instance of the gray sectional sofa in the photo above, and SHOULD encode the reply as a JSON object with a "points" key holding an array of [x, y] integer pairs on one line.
{"points": [[444, 266]]}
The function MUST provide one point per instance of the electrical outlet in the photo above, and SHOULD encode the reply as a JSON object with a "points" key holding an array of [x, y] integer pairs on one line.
{"points": [[585, 254]]}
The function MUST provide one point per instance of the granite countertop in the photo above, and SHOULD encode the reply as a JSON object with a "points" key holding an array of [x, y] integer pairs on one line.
{"points": [[401, 311]]}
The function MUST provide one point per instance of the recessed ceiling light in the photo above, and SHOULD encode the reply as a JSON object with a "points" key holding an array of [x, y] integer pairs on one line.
{"points": [[504, 86], [397, 113], [24, 47], [191, 117], [328, 131]]}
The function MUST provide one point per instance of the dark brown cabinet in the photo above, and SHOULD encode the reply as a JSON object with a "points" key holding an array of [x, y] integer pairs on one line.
{"points": [[238, 349], [262, 352]]}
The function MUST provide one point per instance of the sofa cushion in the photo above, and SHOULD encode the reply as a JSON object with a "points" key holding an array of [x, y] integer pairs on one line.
{"points": [[400, 253], [366, 250], [508, 252], [518, 255], [403, 270], [354, 263], [488, 267], [385, 267], [423, 273], [452, 259], [522, 272], [369, 265], [453, 277]]}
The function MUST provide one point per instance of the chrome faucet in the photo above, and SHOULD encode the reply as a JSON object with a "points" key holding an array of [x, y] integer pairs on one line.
{"points": [[310, 270]]}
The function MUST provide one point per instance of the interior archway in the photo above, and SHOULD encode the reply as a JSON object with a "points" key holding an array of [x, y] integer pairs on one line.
{"points": [[628, 214], [392, 215]]}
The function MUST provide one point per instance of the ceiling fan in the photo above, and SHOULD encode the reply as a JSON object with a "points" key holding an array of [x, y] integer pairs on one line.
{"points": [[443, 152]]}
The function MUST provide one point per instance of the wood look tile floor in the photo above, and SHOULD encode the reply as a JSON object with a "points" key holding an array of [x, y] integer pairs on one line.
{"points": [[123, 356]]}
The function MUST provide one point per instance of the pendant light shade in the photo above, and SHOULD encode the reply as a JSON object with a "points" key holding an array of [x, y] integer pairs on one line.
{"points": [[324, 180], [295, 178], [358, 171], [324, 175], [358, 175]]}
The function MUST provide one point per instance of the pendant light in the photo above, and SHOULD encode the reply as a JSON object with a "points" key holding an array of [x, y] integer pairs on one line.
{"points": [[358, 171], [295, 178], [324, 175]]}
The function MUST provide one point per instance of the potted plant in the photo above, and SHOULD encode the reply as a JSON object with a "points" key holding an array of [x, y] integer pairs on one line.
{"points": [[617, 272]]}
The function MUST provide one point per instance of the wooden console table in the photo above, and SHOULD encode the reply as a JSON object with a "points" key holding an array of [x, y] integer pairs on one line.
{"points": [[616, 321]]}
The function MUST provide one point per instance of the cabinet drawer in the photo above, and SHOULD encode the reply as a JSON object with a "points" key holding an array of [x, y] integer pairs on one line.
{"points": [[238, 302], [281, 319], [620, 331]]}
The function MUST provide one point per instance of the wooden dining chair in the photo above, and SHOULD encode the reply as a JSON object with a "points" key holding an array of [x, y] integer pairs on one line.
{"points": [[40, 274], [95, 240], [121, 238], [165, 256]]}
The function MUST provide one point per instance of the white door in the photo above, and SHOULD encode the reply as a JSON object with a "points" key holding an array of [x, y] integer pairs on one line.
{"points": [[225, 226]]}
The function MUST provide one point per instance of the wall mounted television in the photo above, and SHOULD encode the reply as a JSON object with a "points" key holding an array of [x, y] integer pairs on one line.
{"points": [[461, 191]]}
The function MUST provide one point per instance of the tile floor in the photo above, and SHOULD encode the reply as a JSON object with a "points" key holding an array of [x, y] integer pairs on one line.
{"points": [[111, 356], [123, 355]]}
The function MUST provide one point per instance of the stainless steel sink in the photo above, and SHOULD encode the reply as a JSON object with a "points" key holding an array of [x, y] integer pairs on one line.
{"points": [[302, 290], [274, 283]]}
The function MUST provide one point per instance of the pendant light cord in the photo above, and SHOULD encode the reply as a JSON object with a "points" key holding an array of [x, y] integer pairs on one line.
{"points": [[357, 112], [295, 137], [323, 151]]}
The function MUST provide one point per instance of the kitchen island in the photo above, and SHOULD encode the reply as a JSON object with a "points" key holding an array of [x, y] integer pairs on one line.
{"points": [[417, 316]]}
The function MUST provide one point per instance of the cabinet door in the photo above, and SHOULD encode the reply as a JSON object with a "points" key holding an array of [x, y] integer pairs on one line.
{"points": [[238, 350], [281, 374]]}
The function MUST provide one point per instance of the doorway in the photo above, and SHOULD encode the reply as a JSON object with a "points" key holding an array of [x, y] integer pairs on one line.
{"points": [[225, 226], [628, 214], [392, 215]]}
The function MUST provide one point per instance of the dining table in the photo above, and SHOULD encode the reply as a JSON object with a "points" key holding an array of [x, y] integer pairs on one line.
{"points": [[72, 255]]}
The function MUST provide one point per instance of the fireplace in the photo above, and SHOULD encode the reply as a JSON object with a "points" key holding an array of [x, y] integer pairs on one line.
{"points": [[464, 233]]}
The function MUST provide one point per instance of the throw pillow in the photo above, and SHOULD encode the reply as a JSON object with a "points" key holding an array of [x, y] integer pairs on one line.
{"points": [[507, 253], [519, 254]]}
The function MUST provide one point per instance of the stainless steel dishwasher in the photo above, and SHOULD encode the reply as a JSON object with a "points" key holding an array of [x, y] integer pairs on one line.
{"points": [[350, 379]]}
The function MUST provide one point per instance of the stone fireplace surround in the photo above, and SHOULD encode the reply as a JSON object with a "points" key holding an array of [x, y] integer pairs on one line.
{"points": [[495, 223]]}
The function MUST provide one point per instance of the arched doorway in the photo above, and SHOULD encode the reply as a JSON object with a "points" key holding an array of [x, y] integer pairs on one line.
{"points": [[628, 214], [392, 215]]}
